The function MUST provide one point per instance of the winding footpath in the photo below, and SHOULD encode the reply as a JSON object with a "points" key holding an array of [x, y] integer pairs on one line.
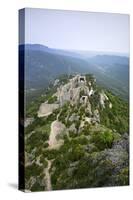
{"points": [[48, 177], [52, 143], [56, 129]]}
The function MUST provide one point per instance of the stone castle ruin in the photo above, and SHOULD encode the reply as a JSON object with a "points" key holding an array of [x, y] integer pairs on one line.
{"points": [[77, 90], [71, 91]]}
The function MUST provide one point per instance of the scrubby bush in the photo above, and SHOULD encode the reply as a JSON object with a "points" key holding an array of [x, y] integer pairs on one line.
{"points": [[45, 145], [72, 134], [52, 99], [90, 171], [76, 154], [43, 161], [82, 140], [82, 93], [37, 187], [51, 154], [102, 139], [123, 177], [116, 117], [33, 170], [86, 129], [77, 124]]}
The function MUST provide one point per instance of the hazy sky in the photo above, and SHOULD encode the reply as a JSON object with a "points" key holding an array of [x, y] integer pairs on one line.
{"points": [[78, 30]]}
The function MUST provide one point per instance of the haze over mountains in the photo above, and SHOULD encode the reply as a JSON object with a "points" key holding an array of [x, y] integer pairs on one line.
{"points": [[44, 64]]}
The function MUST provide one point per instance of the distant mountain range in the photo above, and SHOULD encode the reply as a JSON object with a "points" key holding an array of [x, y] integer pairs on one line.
{"points": [[44, 64]]}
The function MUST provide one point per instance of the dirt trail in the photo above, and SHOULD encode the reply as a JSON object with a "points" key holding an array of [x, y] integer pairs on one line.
{"points": [[56, 128], [48, 177], [52, 143]]}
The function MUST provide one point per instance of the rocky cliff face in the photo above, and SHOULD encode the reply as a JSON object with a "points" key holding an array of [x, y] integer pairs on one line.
{"points": [[78, 92]]}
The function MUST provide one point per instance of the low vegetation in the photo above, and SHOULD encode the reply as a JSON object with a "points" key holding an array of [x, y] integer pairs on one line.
{"points": [[92, 155]]}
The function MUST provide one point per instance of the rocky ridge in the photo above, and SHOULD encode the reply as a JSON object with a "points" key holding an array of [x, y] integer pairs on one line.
{"points": [[78, 130]]}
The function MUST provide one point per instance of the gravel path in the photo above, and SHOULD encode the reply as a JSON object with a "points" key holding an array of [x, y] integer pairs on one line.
{"points": [[56, 128], [48, 177]]}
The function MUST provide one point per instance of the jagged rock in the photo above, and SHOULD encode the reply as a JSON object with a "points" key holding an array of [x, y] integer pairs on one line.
{"points": [[84, 100], [103, 98], [122, 143], [30, 183], [96, 117], [88, 119], [56, 82], [73, 117], [118, 154], [110, 105], [28, 121], [91, 92], [72, 128], [90, 148], [76, 95], [70, 92], [88, 109]]}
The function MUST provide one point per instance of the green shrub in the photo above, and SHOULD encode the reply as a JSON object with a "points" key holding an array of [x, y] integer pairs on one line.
{"points": [[82, 93], [52, 99], [43, 161], [45, 145], [37, 139], [82, 140], [102, 140], [86, 129], [77, 124], [33, 170], [118, 116], [72, 134], [76, 154], [37, 187], [51, 154], [123, 177]]}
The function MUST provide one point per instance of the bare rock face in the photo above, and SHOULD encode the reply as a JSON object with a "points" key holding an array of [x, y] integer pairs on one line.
{"points": [[88, 119], [103, 98], [110, 105], [91, 92], [73, 117], [84, 100], [97, 116], [28, 121], [123, 143], [76, 94], [57, 129], [118, 154], [88, 108], [56, 82], [77, 90], [47, 109], [71, 91], [72, 128]]}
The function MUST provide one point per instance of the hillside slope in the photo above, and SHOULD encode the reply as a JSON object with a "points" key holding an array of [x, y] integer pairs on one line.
{"points": [[77, 137], [43, 65]]}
